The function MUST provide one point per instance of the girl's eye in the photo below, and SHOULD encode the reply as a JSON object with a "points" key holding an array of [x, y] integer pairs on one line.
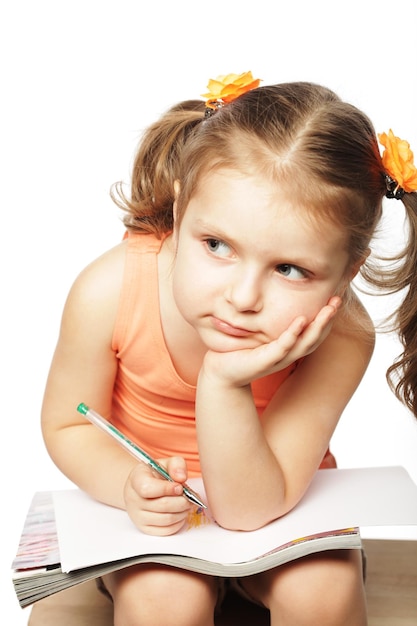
{"points": [[291, 271], [218, 247]]}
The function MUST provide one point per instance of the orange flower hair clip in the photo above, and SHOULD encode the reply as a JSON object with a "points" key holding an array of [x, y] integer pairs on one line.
{"points": [[225, 89], [398, 161]]}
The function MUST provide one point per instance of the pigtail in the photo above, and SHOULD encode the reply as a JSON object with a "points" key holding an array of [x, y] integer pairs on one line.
{"points": [[402, 374], [155, 168]]}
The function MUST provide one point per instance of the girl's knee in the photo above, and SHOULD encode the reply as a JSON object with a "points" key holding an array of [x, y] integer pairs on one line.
{"points": [[326, 588], [153, 594]]}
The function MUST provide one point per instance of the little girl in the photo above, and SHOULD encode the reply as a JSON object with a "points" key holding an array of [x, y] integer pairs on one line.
{"points": [[224, 337]]}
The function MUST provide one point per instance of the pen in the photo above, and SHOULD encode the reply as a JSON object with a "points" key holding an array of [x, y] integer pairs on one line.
{"points": [[135, 450]]}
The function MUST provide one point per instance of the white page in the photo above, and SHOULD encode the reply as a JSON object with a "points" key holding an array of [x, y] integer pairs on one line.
{"points": [[91, 533]]}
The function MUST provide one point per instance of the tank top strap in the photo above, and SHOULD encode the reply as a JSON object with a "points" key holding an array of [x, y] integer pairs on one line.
{"points": [[139, 294], [145, 242]]}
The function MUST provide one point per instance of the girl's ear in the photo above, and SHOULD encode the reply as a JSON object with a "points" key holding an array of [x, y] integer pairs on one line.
{"points": [[357, 266], [174, 206], [350, 275], [175, 211]]}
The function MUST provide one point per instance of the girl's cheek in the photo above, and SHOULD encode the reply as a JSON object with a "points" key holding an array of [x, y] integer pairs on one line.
{"points": [[284, 316]]}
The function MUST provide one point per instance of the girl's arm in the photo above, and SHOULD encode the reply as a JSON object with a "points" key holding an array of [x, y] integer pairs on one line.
{"points": [[255, 471], [83, 369]]}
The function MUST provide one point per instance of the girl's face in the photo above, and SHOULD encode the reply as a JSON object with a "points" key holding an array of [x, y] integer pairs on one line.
{"points": [[248, 262]]}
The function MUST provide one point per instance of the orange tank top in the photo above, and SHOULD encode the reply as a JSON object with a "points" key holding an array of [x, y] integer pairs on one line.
{"points": [[152, 405]]}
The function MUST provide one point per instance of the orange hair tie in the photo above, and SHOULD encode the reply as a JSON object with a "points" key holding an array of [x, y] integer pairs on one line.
{"points": [[225, 89], [398, 162]]}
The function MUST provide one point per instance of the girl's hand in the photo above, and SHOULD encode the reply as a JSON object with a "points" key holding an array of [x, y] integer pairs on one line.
{"points": [[241, 367], [155, 505]]}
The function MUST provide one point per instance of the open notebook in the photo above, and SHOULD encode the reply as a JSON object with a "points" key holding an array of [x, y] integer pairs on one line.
{"points": [[68, 537]]}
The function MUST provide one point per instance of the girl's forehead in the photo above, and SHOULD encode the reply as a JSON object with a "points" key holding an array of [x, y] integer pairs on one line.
{"points": [[236, 201], [228, 184]]}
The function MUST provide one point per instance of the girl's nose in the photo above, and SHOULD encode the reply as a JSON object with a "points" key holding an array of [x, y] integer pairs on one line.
{"points": [[244, 291]]}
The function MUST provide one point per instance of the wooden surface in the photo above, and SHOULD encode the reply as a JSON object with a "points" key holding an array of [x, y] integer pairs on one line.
{"points": [[391, 583], [391, 588]]}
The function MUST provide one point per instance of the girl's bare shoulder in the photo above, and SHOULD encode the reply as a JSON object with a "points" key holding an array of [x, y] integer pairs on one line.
{"points": [[97, 287]]}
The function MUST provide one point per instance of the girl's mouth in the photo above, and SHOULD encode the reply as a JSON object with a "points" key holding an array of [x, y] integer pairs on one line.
{"points": [[229, 329]]}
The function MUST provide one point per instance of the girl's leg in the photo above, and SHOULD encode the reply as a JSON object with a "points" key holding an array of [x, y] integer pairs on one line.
{"points": [[151, 595], [325, 588]]}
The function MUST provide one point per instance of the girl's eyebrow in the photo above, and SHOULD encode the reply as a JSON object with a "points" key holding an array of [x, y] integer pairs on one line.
{"points": [[214, 230], [206, 226]]}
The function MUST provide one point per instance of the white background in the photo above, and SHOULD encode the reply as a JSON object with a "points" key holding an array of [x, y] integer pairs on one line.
{"points": [[80, 80]]}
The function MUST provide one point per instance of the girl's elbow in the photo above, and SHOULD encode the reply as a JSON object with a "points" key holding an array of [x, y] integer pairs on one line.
{"points": [[238, 524], [245, 521]]}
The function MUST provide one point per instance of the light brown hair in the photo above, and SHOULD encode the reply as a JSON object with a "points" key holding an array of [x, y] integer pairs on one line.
{"points": [[303, 136]]}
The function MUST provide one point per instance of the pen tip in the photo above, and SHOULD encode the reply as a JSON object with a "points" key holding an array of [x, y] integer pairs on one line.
{"points": [[82, 408]]}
